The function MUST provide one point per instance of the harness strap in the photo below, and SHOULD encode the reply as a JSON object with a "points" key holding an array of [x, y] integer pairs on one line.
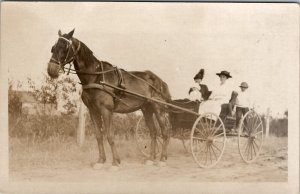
{"points": [[73, 71], [102, 87]]}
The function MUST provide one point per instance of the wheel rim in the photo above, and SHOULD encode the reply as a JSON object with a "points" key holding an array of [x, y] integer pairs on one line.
{"points": [[143, 139], [208, 139], [250, 136]]}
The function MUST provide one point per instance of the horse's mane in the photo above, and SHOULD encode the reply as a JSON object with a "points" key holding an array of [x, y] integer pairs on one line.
{"points": [[86, 54]]}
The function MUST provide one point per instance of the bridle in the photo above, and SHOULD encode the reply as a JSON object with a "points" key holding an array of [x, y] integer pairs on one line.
{"points": [[67, 60]]}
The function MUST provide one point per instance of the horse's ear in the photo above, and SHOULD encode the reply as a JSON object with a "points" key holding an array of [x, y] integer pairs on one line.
{"points": [[59, 33], [70, 34]]}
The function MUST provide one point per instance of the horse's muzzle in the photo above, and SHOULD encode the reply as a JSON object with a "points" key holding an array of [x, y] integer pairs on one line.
{"points": [[53, 70]]}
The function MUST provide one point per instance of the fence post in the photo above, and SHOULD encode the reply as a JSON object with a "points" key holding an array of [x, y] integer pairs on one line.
{"points": [[81, 124], [268, 122]]}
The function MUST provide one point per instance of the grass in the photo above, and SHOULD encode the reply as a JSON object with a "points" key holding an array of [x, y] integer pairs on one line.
{"points": [[59, 152]]}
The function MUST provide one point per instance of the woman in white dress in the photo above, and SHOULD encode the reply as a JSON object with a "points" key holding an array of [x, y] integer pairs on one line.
{"points": [[220, 95]]}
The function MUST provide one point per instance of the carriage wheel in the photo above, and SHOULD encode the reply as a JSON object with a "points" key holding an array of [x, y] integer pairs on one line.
{"points": [[185, 139], [250, 136], [208, 139], [143, 139]]}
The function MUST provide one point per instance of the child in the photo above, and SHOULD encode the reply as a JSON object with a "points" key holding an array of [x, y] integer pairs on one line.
{"points": [[243, 102]]}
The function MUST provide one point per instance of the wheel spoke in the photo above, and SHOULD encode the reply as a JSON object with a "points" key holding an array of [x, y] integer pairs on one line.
{"points": [[257, 127], [214, 121], [206, 128], [216, 141], [247, 147], [257, 133], [253, 149], [248, 131], [200, 151], [214, 152], [216, 147], [201, 132], [210, 121], [250, 151], [255, 121], [256, 144], [205, 153], [198, 138], [203, 128], [219, 135], [216, 130], [209, 154]]}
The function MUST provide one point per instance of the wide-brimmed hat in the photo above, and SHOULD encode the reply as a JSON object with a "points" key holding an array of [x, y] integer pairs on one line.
{"points": [[226, 73], [244, 85], [200, 74]]}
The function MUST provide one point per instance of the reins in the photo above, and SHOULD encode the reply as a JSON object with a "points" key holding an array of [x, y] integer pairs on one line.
{"points": [[102, 72]]}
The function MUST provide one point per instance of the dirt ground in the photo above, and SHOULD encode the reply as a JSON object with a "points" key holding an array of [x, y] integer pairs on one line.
{"points": [[59, 160]]}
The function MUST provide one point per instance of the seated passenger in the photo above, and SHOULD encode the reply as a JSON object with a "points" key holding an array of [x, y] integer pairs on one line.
{"points": [[243, 102], [219, 96], [199, 91]]}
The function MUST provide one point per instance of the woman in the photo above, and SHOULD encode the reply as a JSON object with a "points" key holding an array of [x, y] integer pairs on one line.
{"points": [[219, 96], [199, 91]]}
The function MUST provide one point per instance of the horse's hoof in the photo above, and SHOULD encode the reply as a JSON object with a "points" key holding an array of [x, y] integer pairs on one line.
{"points": [[98, 166], [149, 162], [162, 164], [114, 168]]}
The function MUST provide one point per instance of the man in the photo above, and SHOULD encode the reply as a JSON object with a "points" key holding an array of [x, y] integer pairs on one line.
{"points": [[219, 96], [243, 102], [199, 91]]}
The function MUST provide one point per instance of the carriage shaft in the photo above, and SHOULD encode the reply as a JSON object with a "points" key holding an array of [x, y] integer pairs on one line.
{"points": [[102, 84]]}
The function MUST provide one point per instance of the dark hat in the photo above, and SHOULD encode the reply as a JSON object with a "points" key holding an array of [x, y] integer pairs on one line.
{"points": [[200, 74], [226, 73], [244, 85]]}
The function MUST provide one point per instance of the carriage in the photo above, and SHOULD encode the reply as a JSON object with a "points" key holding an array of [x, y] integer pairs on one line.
{"points": [[108, 89], [205, 136]]}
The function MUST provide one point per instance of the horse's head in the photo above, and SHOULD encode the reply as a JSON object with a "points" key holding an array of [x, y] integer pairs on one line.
{"points": [[63, 52]]}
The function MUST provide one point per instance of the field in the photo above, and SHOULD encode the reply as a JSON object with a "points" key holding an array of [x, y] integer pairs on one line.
{"points": [[62, 160]]}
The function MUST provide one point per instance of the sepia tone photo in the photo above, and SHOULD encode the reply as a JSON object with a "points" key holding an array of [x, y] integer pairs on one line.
{"points": [[140, 97]]}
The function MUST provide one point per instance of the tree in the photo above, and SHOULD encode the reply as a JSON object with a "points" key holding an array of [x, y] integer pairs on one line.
{"points": [[286, 113], [14, 101], [53, 91]]}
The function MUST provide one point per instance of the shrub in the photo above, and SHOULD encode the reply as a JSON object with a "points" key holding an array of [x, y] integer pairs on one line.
{"points": [[279, 127]]}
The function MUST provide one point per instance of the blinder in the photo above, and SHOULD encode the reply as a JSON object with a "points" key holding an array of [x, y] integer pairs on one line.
{"points": [[67, 60]]}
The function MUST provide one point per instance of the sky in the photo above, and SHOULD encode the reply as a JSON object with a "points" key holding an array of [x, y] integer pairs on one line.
{"points": [[258, 44]]}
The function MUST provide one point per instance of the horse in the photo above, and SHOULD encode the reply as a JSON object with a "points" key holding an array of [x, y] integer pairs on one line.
{"points": [[104, 93]]}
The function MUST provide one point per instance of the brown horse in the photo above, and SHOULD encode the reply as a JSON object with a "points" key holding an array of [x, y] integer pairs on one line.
{"points": [[102, 100]]}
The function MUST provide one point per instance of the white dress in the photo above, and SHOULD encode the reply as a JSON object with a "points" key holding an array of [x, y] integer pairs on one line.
{"points": [[220, 95], [195, 93]]}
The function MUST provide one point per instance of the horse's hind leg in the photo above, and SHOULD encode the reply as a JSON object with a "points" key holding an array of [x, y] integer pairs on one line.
{"points": [[165, 132], [97, 121], [148, 115], [107, 121]]}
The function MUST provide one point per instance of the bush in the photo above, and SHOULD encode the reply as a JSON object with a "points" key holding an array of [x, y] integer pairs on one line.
{"points": [[41, 127], [279, 127]]}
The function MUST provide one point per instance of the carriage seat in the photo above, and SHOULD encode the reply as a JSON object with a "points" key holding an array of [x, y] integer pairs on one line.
{"points": [[187, 104]]}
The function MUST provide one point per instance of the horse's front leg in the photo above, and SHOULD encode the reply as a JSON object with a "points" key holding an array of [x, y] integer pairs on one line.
{"points": [[97, 122], [148, 115], [107, 121], [165, 132]]}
